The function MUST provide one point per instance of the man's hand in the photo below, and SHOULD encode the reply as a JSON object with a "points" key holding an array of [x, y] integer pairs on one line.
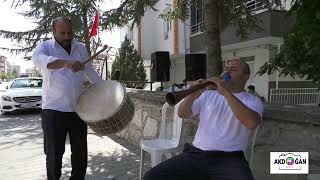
{"points": [[75, 66], [196, 94], [220, 85]]}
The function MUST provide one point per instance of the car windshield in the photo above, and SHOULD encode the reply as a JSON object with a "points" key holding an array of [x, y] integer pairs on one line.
{"points": [[26, 83]]}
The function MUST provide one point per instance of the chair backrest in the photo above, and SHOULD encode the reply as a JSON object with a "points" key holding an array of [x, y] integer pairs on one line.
{"points": [[162, 133], [253, 141], [177, 122]]}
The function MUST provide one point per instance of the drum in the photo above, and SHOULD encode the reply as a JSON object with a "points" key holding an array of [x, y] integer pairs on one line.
{"points": [[105, 107]]}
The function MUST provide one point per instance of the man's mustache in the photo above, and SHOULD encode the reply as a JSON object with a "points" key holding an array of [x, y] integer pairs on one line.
{"points": [[67, 41]]}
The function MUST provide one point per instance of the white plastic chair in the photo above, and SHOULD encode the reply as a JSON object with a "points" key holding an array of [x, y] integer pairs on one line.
{"points": [[160, 146], [254, 136]]}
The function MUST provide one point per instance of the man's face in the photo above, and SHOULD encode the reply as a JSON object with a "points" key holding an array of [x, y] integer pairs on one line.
{"points": [[236, 69], [62, 32]]}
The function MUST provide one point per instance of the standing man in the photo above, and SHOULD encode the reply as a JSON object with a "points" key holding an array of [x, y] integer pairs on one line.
{"points": [[226, 116], [59, 60]]}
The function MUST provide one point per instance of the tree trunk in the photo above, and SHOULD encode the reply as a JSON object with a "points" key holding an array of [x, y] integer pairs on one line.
{"points": [[86, 29], [212, 34]]}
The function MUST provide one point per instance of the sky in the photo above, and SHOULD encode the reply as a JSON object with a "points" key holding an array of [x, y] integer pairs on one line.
{"points": [[12, 21]]}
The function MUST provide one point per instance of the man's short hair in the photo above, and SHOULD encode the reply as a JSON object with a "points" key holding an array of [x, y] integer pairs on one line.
{"points": [[58, 19]]}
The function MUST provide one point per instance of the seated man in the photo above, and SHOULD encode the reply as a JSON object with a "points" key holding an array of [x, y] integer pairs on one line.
{"points": [[226, 116], [252, 90], [179, 87]]}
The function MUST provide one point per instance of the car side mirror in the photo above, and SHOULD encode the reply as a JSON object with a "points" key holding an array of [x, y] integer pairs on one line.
{"points": [[7, 87]]}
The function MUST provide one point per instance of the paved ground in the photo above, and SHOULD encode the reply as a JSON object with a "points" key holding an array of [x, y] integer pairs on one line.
{"points": [[21, 153]]}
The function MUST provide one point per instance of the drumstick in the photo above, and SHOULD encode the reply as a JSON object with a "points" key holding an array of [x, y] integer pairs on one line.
{"points": [[96, 54]]}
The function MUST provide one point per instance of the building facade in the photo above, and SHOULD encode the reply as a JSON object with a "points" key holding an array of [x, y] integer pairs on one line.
{"points": [[14, 69], [180, 38], [3, 63]]}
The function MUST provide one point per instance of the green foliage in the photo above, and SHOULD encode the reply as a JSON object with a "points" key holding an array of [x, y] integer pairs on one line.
{"points": [[129, 63], [129, 11], [81, 12], [8, 76], [299, 55]]}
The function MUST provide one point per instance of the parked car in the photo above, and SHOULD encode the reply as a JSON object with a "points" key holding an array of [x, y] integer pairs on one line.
{"points": [[22, 93]]}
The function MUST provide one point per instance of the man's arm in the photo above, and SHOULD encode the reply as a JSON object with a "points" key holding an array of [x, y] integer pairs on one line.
{"points": [[185, 108], [73, 65], [57, 64], [41, 57], [248, 117], [44, 61]]}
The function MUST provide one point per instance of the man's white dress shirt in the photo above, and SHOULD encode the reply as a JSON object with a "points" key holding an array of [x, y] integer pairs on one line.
{"points": [[62, 87]]}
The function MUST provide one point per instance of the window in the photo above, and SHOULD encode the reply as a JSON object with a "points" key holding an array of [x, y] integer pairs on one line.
{"points": [[197, 18], [167, 26], [197, 13], [26, 83], [130, 35], [166, 29]]}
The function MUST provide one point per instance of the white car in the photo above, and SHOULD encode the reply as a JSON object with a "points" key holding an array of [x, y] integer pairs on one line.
{"points": [[22, 93]]}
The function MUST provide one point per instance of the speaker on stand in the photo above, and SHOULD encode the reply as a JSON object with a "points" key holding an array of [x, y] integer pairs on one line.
{"points": [[160, 67], [195, 66]]}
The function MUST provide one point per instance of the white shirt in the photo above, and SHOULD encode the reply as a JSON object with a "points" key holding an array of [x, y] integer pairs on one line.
{"points": [[218, 128], [61, 87]]}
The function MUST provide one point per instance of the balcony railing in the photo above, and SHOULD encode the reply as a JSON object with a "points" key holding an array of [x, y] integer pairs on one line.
{"points": [[295, 96], [197, 29], [256, 6]]}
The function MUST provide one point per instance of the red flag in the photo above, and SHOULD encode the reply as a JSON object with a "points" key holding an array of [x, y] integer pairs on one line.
{"points": [[95, 25]]}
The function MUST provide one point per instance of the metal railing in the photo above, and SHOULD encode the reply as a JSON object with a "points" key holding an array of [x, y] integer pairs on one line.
{"points": [[295, 96], [256, 5], [197, 29], [137, 84]]}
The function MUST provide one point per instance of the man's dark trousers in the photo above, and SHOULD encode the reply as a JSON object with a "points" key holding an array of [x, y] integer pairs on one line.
{"points": [[196, 164], [56, 125]]}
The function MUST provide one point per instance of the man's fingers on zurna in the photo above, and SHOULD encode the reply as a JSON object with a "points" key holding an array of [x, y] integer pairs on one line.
{"points": [[193, 83]]}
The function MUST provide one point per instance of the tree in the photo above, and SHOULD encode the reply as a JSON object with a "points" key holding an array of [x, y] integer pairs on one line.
{"points": [[43, 12], [217, 14], [300, 52], [8, 76], [129, 63]]}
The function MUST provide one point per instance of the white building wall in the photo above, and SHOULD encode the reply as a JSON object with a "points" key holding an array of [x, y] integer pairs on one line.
{"points": [[153, 30], [177, 72], [149, 34]]}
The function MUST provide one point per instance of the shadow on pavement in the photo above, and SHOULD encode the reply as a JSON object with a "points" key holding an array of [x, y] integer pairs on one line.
{"points": [[117, 165], [22, 127]]}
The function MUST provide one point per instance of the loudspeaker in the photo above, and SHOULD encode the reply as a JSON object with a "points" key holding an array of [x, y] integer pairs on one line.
{"points": [[160, 66], [195, 65]]}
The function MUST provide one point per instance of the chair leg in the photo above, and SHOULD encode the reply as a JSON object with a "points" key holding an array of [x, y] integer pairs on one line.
{"points": [[142, 156], [156, 159]]}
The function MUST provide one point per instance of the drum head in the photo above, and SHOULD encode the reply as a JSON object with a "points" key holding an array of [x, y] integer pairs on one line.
{"points": [[100, 101]]}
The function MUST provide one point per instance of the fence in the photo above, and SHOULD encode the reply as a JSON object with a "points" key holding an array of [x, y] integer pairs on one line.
{"points": [[295, 96]]}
